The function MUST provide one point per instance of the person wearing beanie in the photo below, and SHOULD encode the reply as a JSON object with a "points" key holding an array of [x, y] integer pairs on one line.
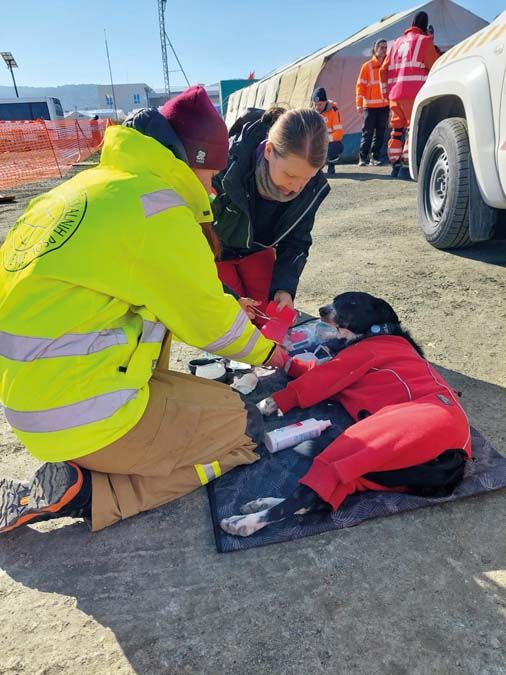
{"points": [[372, 105], [402, 75], [95, 277], [334, 123], [265, 206]]}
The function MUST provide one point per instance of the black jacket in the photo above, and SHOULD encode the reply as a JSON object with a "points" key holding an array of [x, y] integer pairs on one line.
{"points": [[235, 212]]}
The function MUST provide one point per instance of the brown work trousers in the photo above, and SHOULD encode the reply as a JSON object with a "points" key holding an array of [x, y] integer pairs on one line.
{"points": [[192, 431]]}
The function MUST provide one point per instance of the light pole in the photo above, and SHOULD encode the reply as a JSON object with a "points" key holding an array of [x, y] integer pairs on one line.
{"points": [[110, 73], [11, 63]]}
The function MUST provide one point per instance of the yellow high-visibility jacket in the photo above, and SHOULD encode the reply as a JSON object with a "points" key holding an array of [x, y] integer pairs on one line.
{"points": [[91, 276]]}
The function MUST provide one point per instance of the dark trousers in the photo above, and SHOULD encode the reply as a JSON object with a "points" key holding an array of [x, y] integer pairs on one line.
{"points": [[334, 151], [373, 132]]}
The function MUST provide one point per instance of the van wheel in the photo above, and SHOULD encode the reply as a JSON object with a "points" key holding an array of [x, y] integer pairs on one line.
{"points": [[443, 186]]}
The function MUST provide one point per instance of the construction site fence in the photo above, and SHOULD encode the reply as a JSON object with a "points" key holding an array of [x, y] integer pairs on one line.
{"points": [[34, 150]]}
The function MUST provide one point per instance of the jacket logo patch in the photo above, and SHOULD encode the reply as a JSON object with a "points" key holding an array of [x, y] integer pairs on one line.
{"points": [[44, 228], [201, 156]]}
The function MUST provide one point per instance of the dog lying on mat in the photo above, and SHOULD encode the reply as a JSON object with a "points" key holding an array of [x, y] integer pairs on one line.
{"points": [[410, 432]]}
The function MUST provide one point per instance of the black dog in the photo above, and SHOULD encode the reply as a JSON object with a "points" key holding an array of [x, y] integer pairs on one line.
{"points": [[356, 316]]}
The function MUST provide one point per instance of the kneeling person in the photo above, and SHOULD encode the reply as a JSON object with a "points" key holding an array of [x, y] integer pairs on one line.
{"points": [[95, 276]]}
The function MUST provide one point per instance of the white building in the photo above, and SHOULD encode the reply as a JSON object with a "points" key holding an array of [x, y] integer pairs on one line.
{"points": [[128, 96]]}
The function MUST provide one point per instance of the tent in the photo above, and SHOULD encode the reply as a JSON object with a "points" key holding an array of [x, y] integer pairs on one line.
{"points": [[337, 66]]}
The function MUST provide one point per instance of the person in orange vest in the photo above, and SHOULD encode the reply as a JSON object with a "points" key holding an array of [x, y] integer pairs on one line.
{"points": [[334, 122], [371, 103], [96, 136], [402, 74]]}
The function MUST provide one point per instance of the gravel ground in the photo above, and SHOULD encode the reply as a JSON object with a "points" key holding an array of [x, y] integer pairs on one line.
{"points": [[415, 594]]}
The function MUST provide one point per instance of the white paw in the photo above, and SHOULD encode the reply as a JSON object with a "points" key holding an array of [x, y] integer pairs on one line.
{"points": [[243, 526], [260, 504], [267, 406]]}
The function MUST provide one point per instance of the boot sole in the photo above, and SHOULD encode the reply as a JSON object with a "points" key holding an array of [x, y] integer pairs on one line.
{"points": [[53, 486]]}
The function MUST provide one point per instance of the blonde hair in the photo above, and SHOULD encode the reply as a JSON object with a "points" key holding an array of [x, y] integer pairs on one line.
{"points": [[301, 132]]}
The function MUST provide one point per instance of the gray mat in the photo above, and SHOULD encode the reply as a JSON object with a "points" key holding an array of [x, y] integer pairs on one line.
{"points": [[277, 476]]}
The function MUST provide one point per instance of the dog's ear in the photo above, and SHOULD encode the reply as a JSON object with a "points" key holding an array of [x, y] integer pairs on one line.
{"points": [[385, 312]]}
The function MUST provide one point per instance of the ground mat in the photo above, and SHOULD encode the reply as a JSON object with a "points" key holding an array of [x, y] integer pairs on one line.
{"points": [[277, 475]]}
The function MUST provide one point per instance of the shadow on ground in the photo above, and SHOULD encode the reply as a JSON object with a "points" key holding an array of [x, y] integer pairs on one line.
{"points": [[360, 175], [491, 252], [175, 606]]}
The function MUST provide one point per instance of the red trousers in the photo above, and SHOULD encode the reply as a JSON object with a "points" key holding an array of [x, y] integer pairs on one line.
{"points": [[250, 276], [396, 437]]}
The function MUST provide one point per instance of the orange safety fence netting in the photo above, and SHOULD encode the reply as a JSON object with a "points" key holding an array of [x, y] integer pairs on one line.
{"points": [[34, 150]]}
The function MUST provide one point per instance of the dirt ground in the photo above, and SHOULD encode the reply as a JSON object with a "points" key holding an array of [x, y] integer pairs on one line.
{"points": [[414, 594]]}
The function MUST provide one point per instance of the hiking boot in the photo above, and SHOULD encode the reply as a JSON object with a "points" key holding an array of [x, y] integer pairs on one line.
{"points": [[361, 162], [57, 490], [395, 170]]}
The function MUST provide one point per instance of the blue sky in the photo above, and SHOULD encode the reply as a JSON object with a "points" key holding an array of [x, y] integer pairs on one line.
{"points": [[62, 41]]}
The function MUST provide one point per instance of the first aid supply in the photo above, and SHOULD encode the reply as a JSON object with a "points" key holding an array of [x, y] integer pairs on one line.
{"points": [[245, 384], [212, 371], [278, 323], [293, 434], [309, 336]]}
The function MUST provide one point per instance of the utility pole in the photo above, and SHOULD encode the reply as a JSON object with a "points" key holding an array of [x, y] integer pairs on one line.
{"points": [[10, 62], [110, 73]]}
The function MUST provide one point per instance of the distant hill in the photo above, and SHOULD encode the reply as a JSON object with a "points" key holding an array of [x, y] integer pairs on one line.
{"points": [[72, 96]]}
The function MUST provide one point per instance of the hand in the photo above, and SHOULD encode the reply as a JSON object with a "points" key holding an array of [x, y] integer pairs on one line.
{"points": [[359, 110], [283, 299], [267, 406], [278, 358], [248, 305]]}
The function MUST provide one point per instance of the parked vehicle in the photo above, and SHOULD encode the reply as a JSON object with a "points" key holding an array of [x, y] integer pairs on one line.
{"points": [[44, 107], [457, 146]]}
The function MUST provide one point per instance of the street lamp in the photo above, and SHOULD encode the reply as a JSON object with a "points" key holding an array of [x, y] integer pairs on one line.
{"points": [[10, 62]]}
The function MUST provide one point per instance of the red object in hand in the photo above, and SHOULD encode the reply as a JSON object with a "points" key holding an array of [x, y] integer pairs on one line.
{"points": [[279, 322]]}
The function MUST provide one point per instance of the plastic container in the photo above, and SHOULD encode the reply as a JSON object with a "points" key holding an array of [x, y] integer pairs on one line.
{"points": [[212, 371], [293, 434], [309, 336]]}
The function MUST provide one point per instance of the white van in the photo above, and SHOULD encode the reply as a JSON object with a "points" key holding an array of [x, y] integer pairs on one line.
{"points": [[44, 107]]}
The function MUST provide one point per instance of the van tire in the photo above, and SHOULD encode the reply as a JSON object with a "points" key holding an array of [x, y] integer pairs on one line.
{"points": [[444, 186]]}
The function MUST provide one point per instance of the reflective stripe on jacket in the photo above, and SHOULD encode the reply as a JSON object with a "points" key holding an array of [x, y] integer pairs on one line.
{"points": [[407, 65], [368, 89], [91, 276], [334, 121]]}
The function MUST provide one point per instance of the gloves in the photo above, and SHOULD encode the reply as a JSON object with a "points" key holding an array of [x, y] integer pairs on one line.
{"points": [[267, 406], [278, 358]]}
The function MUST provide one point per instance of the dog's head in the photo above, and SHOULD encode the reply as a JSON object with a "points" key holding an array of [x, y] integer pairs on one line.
{"points": [[358, 312]]}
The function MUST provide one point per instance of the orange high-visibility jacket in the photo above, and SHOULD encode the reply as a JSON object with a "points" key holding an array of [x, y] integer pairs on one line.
{"points": [[334, 121], [368, 89]]}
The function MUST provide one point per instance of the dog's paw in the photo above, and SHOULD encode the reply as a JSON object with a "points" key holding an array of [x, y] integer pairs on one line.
{"points": [[243, 526], [260, 504], [306, 449], [267, 406]]}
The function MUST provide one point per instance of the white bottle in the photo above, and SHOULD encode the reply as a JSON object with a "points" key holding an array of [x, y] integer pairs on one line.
{"points": [[286, 437]]}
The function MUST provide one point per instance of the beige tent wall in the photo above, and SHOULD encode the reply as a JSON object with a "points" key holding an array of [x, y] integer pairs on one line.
{"points": [[306, 77], [338, 70], [286, 87], [271, 91], [252, 94]]}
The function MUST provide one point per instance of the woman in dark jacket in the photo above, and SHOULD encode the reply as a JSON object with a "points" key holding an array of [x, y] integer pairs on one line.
{"points": [[266, 202]]}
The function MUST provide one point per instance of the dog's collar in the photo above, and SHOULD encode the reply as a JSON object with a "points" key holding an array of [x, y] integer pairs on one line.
{"points": [[382, 329]]}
